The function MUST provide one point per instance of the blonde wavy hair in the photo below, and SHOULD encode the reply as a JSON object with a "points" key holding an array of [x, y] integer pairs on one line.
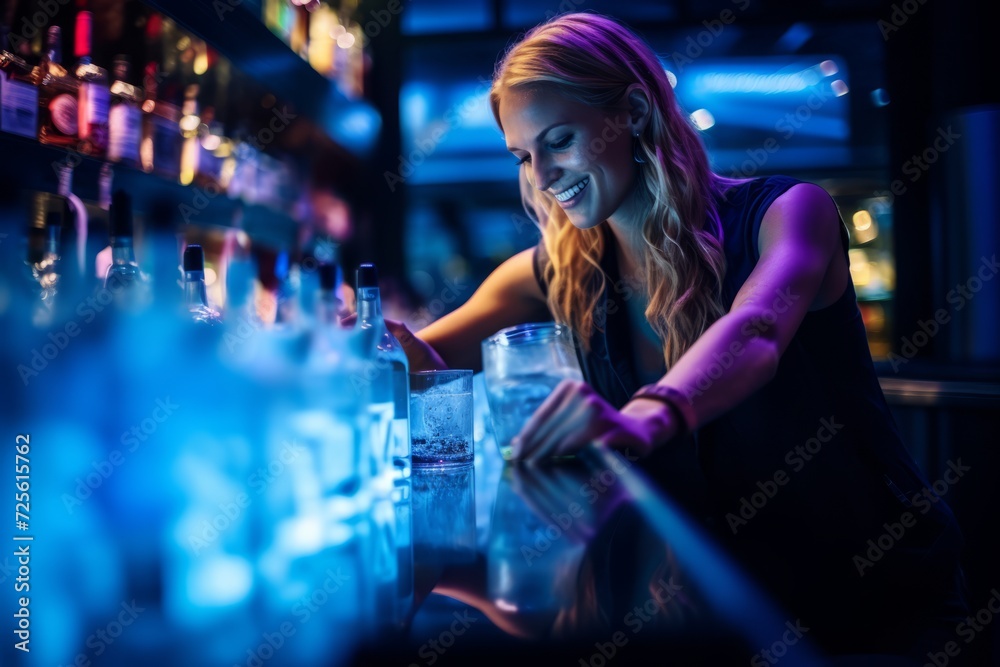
{"points": [[593, 59]]}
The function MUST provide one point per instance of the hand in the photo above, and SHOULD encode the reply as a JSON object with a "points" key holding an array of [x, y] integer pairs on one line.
{"points": [[422, 357], [575, 415]]}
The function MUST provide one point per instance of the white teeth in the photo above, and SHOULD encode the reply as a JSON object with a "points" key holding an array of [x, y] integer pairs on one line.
{"points": [[571, 192]]}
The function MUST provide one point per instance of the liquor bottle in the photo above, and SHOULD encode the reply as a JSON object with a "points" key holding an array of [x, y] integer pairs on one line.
{"points": [[190, 124], [328, 304], [94, 93], [195, 294], [76, 228], [160, 149], [99, 227], [18, 94], [390, 365], [58, 113], [124, 279], [44, 255], [125, 117]]}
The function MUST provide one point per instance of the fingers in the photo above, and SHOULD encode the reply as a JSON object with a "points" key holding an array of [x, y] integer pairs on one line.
{"points": [[569, 419]]}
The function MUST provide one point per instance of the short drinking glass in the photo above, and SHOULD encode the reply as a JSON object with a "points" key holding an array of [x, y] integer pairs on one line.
{"points": [[441, 418]]}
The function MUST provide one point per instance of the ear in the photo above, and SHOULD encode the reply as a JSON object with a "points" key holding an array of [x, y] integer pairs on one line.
{"points": [[639, 107]]}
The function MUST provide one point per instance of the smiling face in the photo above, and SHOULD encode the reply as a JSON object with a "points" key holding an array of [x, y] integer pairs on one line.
{"points": [[577, 153]]}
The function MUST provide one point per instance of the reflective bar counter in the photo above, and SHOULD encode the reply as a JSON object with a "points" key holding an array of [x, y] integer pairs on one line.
{"points": [[201, 495]]}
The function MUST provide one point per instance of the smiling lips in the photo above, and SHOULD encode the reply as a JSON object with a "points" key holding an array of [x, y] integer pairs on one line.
{"points": [[571, 192]]}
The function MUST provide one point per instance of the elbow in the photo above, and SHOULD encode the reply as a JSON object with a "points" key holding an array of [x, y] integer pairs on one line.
{"points": [[768, 358]]}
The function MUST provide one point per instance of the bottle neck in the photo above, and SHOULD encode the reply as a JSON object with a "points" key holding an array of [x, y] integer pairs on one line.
{"points": [[327, 308], [122, 251], [194, 288], [369, 304]]}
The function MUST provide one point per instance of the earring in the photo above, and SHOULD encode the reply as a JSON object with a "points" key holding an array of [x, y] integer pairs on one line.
{"points": [[636, 153]]}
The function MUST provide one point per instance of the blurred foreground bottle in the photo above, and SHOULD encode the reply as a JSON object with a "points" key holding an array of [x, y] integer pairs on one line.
{"points": [[391, 369], [124, 279], [195, 295]]}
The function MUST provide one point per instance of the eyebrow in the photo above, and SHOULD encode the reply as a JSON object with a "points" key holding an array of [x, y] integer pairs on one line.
{"points": [[541, 134]]}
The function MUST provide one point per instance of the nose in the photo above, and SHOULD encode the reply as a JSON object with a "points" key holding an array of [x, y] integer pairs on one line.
{"points": [[545, 172]]}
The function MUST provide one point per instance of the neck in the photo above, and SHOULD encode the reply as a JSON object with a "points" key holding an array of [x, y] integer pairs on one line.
{"points": [[626, 229]]}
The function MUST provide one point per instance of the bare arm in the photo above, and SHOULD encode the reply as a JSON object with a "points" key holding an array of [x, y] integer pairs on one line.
{"points": [[801, 267], [509, 296]]}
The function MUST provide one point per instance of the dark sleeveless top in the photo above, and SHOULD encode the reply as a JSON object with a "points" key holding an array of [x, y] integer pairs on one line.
{"points": [[797, 478]]}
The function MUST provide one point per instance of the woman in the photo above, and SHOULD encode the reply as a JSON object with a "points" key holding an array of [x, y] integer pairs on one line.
{"points": [[718, 329]]}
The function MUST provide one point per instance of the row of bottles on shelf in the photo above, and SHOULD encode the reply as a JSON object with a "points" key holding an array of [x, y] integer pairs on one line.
{"points": [[76, 262], [171, 125]]}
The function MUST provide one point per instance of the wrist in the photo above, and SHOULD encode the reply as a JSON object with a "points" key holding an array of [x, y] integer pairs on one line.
{"points": [[676, 403], [659, 418]]}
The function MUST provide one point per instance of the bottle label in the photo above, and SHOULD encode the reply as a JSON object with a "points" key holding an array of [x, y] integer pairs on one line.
{"points": [[94, 102], [18, 107], [63, 111], [166, 145], [209, 165], [124, 131]]}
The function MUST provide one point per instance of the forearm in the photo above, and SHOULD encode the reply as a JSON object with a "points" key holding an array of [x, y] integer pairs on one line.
{"points": [[735, 357]]}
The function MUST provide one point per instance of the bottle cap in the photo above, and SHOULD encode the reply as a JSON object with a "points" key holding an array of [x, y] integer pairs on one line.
{"points": [[121, 214], [327, 276], [194, 258], [121, 67], [367, 276]]}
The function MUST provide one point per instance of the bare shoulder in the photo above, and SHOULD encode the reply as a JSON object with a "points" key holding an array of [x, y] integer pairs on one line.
{"points": [[802, 231], [805, 212]]}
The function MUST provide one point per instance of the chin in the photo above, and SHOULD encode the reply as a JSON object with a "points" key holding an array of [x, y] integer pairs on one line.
{"points": [[583, 221]]}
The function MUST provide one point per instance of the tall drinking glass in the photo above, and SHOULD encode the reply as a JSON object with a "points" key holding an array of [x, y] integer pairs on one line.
{"points": [[521, 367]]}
